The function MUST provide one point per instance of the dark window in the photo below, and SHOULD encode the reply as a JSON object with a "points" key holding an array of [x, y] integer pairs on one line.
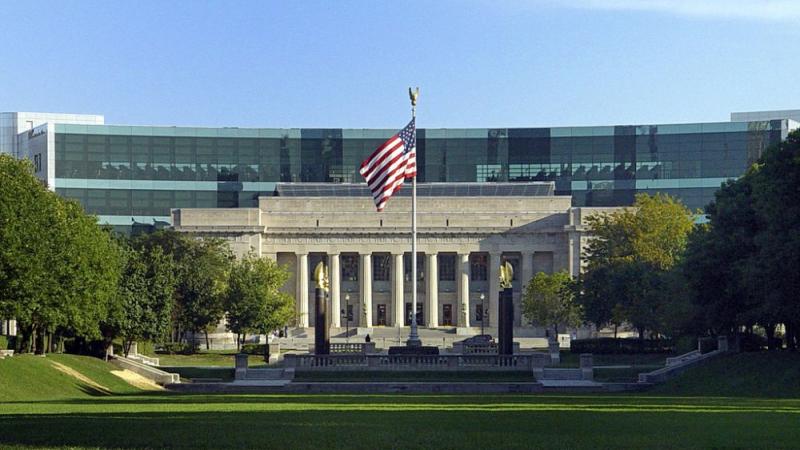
{"points": [[381, 266], [478, 267], [447, 267], [407, 266], [350, 267]]}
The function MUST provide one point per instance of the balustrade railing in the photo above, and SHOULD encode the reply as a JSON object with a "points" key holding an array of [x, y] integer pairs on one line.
{"points": [[409, 362]]}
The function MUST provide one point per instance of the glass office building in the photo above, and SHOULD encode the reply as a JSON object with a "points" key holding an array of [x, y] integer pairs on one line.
{"points": [[134, 175]]}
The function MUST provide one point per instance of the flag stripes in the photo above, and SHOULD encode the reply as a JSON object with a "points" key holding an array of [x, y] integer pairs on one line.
{"points": [[390, 164]]}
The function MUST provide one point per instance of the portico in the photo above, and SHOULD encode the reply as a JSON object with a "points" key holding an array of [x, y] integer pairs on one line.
{"points": [[462, 240]]}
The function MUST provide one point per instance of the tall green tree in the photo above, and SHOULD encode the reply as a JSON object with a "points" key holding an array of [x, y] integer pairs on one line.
{"points": [[201, 267], [629, 259], [58, 268], [549, 300], [776, 186], [254, 301], [145, 296]]}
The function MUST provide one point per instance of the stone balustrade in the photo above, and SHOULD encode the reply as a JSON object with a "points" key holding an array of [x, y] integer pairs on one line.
{"points": [[353, 348], [377, 362]]}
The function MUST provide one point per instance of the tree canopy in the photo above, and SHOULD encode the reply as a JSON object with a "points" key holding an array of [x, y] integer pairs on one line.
{"points": [[549, 300], [628, 261]]}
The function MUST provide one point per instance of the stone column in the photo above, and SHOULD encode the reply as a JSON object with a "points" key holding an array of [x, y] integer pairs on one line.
{"points": [[12, 327], [574, 253], [527, 269], [432, 294], [3, 327], [302, 290], [366, 290], [335, 274], [463, 289], [494, 288], [398, 295]]}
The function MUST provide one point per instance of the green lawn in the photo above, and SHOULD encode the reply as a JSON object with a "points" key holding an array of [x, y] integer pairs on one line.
{"points": [[40, 408], [211, 358]]}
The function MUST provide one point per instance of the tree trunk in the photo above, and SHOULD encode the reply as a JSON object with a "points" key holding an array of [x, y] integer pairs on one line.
{"points": [[791, 335], [615, 330], [770, 331], [641, 334], [238, 341], [208, 345], [32, 340]]}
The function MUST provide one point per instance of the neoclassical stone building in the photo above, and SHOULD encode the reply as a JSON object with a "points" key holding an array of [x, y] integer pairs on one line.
{"points": [[465, 231]]}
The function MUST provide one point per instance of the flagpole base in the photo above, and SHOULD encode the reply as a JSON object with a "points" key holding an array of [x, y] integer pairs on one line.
{"points": [[413, 338]]}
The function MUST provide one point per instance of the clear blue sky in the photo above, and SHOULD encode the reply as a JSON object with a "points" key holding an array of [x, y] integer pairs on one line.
{"points": [[349, 63]]}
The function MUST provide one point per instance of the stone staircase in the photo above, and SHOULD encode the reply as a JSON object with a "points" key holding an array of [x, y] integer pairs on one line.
{"points": [[561, 374], [269, 374]]}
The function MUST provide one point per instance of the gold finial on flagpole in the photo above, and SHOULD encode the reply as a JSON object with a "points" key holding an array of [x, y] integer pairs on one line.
{"points": [[413, 94]]}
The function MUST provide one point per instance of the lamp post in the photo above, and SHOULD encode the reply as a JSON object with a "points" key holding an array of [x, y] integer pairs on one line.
{"points": [[483, 311], [346, 317]]}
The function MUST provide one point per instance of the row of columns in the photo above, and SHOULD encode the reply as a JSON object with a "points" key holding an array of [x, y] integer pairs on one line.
{"points": [[398, 299]]}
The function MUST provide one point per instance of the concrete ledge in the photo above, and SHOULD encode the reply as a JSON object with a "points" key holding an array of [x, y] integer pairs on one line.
{"points": [[151, 373], [405, 387], [665, 373]]}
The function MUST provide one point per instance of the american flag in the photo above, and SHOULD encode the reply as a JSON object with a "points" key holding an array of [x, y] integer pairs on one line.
{"points": [[389, 165]]}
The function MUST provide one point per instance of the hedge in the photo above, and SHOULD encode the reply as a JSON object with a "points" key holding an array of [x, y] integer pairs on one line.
{"points": [[620, 346]]}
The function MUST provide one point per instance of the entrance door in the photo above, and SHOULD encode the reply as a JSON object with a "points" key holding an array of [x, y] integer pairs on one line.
{"points": [[419, 314], [382, 314], [447, 315]]}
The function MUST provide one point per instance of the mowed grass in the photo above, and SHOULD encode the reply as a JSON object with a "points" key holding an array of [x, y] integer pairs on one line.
{"points": [[76, 417], [207, 359]]}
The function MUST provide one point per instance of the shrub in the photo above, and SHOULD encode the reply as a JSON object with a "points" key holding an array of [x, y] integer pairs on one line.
{"points": [[5, 342], [254, 349], [620, 346], [424, 350], [180, 348], [752, 342], [145, 347], [707, 344]]}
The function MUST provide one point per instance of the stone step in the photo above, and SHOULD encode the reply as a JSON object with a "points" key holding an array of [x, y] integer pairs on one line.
{"points": [[264, 374], [562, 374]]}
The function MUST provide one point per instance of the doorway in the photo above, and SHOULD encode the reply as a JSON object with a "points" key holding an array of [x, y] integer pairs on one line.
{"points": [[381, 315], [419, 314], [447, 315]]}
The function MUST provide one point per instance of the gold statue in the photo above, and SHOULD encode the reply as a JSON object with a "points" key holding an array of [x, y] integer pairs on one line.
{"points": [[506, 275], [413, 96], [321, 276]]}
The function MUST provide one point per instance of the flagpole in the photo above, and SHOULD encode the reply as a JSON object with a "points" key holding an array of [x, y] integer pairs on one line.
{"points": [[413, 337]]}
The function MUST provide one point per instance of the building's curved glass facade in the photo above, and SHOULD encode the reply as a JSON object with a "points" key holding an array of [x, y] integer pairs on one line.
{"points": [[125, 174]]}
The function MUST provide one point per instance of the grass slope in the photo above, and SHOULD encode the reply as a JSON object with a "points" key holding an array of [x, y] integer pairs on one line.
{"points": [[402, 421], [32, 378], [697, 410], [761, 374]]}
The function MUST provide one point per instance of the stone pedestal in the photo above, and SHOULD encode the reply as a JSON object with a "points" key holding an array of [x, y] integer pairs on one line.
{"points": [[505, 316], [241, 366], [587, 366], [538, 361], [554, 350], [322, 338], [722, 343]]}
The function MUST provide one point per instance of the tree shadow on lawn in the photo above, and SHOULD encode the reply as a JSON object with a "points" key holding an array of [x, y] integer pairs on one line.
{"points": [[99, 398], [393, 429]]}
